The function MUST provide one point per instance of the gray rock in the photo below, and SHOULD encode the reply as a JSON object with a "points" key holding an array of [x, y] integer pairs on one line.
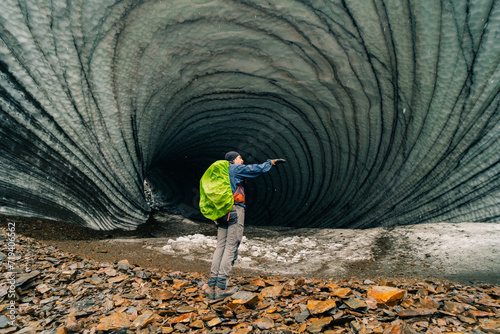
{"points": [[25, 278], [4, 322], [303, 315], [85, 304], [142, 273], [124, 266]]}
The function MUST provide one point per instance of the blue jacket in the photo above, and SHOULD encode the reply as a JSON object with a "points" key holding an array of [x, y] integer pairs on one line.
{"points": [[239, 172]]}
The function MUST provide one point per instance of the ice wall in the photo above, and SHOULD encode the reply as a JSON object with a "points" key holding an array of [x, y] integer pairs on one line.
{"points": [[386, 111]]}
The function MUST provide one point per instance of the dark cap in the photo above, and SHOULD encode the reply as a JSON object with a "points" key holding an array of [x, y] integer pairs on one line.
{"points": [[230, 156]]}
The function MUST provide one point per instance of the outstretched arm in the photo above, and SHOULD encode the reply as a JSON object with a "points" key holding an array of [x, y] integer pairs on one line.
{"points": [[254, 170]]}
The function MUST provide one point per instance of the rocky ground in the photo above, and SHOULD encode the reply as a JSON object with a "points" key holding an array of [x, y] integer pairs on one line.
{"points": [[45, 289]]}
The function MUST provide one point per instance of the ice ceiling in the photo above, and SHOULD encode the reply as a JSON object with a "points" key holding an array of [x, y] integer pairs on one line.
{"points": [[386, 111]]}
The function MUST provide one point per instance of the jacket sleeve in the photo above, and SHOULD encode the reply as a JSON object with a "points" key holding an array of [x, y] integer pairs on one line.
{"points": [[251, 171]]}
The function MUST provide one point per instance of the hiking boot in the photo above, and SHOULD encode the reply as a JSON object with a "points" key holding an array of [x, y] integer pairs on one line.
{"points": [[223, 293], [210, 292]]}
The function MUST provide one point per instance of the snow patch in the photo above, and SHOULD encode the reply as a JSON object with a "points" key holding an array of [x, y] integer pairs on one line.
{"points": [[326, 250]]}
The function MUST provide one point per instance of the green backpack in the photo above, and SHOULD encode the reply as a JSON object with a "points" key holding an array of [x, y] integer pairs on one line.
{"points": [[216, 196]]}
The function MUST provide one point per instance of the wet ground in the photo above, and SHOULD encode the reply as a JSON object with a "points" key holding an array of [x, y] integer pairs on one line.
{"points": [[465, 253]]}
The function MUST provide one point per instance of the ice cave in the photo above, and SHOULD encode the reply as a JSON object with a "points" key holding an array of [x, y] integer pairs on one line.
{"points": [[387, 111]]}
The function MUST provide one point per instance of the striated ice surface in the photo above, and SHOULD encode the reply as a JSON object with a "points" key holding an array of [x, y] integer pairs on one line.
{"points": [[387, 112]]}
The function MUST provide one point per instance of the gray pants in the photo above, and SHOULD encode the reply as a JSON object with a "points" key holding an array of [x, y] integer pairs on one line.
{"points": [[229, 235]]}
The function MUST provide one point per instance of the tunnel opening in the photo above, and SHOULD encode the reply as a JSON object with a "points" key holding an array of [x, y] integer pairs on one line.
{"points": [[387, 115], [258, 126], [173, 187], [173, 184]]}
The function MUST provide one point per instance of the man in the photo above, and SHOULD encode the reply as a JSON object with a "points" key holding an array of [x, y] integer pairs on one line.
{"points": [[230, 227]]}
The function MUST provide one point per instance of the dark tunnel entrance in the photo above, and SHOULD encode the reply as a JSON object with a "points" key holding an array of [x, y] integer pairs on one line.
{"points": [[173, 187]]}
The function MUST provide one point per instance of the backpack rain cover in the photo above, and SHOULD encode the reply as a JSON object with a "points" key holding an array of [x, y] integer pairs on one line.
{"points": [[216, 196]]}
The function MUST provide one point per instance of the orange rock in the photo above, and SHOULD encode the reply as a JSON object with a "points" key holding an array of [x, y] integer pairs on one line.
{"points": [[71, 323], [264, 323], [341, 292], [241, 309], [441, 322], [399, 328], [316, 326], [143, 320], [440, 289], [242, 325], [453, 307], [118, 279], [408, 303], [259, 283], [115, 321], [393, 329], [271, 282], [320, 306], [161, 294], [488, 302], [469, 319], [179, 284], [60, 330], [197, 324], [271, 309], [385, 294], [429, 302], [214, 322], [186, 317], [332, 286], [67, 275], [121, 302], [489, 325], [481, 314], [263, 305], [272, 291], [207, 316]]}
